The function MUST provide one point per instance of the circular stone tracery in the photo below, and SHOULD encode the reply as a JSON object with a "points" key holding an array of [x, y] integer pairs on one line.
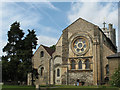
{"points": [[80, 45]]}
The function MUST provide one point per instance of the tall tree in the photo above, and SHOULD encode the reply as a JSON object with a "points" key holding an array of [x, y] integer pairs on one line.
{"points": [[30, 43], [17, 63], [12, 49]]}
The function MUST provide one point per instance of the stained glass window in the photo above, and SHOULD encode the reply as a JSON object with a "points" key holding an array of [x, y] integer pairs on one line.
{"points": [[80, 45]]}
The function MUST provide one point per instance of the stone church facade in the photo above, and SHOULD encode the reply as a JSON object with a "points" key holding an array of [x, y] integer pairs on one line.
{"points": [[80, 55]]}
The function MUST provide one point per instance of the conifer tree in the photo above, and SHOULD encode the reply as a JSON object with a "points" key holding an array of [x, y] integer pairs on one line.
{"points": [[12, 49], [30, 43]]}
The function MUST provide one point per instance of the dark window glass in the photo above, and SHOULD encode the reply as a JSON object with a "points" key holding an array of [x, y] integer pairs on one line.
{"points": [[72, 64], [58, 72], [42, 70], [107, 69], [80, 64], [41, 54], [87, 64]]}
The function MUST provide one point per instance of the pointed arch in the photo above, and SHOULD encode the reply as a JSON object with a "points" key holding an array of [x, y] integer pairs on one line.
{"points": [[42, 71], [87, 64], [72, 64], [80, 64]]}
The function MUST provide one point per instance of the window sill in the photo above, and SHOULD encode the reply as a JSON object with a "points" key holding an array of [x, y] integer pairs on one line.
{"points": [[77, 70]]}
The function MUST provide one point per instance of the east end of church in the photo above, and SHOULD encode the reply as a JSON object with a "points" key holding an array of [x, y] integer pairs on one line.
{"points": [[81, 56]]}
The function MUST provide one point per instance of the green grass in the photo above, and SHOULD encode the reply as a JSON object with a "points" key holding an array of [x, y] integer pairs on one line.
{"points": [[16, 86], [71, 86], [58, 87]]}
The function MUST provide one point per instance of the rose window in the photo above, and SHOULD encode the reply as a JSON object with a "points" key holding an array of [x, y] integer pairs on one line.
{"points": [[80, 45]]}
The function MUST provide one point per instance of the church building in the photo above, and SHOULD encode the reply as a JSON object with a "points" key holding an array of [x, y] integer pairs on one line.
{"points": [[80, 55]]}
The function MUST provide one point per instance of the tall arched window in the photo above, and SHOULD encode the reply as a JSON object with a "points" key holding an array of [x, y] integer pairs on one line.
{"points": [[58, 72], [42, 71], [107, 69], [73, 64], [87, 64], [80, 64], [41, 54]]}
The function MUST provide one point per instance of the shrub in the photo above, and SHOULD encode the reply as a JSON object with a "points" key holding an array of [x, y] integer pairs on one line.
{"points": [[116, 78]]}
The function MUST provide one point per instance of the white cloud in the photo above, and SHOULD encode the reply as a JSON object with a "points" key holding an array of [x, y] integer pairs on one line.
{"points": [[96, 13], [45, 40], [28, 14]]}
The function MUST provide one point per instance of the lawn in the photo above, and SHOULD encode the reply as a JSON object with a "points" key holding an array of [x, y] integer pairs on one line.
{"points": [[16, 87], [59, 87]]}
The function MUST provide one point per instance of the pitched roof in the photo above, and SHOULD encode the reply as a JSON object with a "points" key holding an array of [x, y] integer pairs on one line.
{"points": [[116, 55], [49, 50], [78, 20], [108, 39]]}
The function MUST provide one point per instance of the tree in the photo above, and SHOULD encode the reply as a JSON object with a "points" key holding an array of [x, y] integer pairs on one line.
{"points": [[19, 49], [53, 47], [5, 72], [116, 78], [30, 43], [12, 49]]}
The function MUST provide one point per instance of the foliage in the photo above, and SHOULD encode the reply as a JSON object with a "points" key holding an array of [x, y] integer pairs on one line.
{"points": [[116, 78], [53, 46], [19, 49], [15, 36]]}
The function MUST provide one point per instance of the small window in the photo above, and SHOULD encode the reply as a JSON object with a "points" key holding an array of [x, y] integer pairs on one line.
{"points": [[58, 72], [42, 71], [107, 69], [41, 54], [87, 64], [80, 64], [73, 64]]}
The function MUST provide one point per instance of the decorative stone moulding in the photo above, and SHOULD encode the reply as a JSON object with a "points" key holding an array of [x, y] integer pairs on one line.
{"points": [[80, 44]]}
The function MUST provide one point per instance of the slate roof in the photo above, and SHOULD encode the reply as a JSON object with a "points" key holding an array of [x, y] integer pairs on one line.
{"points": [[116, 55], [49, 50]]}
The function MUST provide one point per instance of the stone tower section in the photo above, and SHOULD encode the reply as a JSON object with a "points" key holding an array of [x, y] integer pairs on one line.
{"points": [[65, 48], [112, 34]]}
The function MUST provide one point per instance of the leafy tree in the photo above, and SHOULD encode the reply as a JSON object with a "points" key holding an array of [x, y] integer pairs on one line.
{"points": [[53, 46], [116, 78]]}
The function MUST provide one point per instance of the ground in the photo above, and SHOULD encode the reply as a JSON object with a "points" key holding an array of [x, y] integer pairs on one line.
{"points": [[59, 87]]}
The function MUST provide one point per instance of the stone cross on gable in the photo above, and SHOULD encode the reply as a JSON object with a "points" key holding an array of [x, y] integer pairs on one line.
{"points": [[104, 24]]}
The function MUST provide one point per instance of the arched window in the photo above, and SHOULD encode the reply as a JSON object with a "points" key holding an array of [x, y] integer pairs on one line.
{"points": [[58, 72], [87, 64], [73, 64], [41, 54], [107, 69], [42, 71], [80, 64]]}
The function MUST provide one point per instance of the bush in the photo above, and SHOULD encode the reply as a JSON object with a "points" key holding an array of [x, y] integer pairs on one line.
{"points": [[116, 78]]}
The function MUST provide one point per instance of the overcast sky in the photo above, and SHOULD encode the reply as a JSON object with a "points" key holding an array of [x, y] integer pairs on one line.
{"points": [[50, 18]]}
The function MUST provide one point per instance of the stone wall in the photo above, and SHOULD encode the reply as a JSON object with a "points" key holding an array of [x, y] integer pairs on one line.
{"points": [[65, 47], [84, 76], [39, 62]]}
